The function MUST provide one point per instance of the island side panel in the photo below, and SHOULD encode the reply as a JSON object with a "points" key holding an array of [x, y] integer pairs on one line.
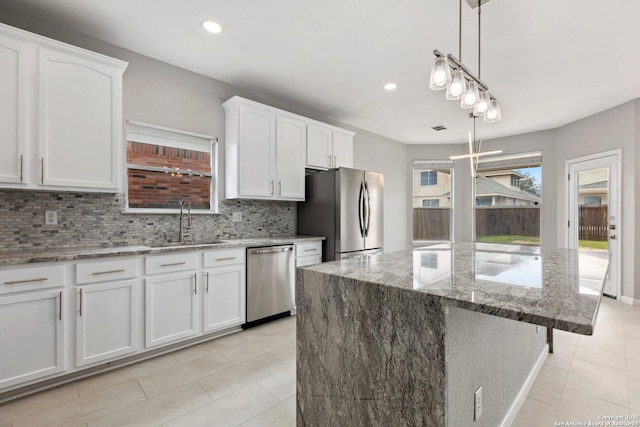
{"points": [[367, 354], [490, 352]]}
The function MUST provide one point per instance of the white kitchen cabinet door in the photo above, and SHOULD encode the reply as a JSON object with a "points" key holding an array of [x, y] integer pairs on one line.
{"points": [[290, 158], [13, 109], [319, 151], [256, 157], [342, 150], [170, 308], [79, 130], [107, 321], [224, 297], [31, 336]]}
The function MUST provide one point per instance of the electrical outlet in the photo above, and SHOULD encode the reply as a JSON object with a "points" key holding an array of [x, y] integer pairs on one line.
{"points": [[477, 403], [236, 217], [50, 217]]}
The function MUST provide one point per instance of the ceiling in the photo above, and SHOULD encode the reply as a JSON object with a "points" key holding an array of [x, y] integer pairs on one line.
{"points": [[549, 62]]}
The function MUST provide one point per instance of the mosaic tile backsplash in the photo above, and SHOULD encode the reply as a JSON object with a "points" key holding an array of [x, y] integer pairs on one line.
{"points": [[92, 219]]}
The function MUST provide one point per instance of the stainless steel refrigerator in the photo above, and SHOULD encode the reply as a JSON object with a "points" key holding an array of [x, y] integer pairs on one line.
{"points": [[345, 206]]}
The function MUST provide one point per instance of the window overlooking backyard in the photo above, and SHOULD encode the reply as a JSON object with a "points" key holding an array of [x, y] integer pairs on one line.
{"points": [[432, 200], [508, 195], [166, 166]]}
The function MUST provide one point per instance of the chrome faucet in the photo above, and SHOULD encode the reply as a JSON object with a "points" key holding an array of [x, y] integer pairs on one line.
{"points": [[182, 233]]}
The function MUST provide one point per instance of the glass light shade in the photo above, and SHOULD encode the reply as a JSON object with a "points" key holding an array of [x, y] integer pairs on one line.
{"points": [[470, 96], [493, 112], [440, 74], [482, 104], [457, 87]]}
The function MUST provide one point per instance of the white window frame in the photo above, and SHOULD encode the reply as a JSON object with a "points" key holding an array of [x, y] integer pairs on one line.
{"points": [[159, 135]]}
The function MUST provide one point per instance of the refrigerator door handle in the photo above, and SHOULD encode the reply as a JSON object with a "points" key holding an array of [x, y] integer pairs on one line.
{"points": [[361, 209], [368, 208]]}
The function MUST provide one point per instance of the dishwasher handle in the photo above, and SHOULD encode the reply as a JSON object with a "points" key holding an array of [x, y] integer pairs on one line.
{"points": [[273, 250]]}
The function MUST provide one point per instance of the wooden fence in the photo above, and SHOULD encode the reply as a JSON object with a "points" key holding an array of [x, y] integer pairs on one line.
{"points": [[431, 224], [592, 222], [521, 221]]}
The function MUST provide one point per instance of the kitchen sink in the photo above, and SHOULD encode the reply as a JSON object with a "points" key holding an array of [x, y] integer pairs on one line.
{"points": [[188, 245]]}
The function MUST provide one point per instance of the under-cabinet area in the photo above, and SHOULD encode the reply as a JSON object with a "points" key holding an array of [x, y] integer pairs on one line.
{"points": [[88, 314]]}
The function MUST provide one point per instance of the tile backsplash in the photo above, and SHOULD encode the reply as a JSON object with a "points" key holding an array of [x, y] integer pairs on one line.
{"points": [[94, 219]]}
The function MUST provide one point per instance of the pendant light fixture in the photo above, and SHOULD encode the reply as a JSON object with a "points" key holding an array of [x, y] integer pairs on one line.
{"points": [[461, 84]]}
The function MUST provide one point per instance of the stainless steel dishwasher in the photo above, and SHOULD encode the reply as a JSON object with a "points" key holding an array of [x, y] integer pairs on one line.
{"points": [[270, 283]]}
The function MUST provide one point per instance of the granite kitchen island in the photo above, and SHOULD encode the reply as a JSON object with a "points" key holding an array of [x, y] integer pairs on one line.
{"points": [[406, 338]]}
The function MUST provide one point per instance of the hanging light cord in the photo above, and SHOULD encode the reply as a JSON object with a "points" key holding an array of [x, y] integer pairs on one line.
{"points": [[479, 11], [460, 31]]}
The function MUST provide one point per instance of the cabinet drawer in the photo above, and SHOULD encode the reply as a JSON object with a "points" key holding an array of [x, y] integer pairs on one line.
{"points": [[102, 271], [31, 278], [168, 263], [221, 257], [308, 248], [308, 260]]}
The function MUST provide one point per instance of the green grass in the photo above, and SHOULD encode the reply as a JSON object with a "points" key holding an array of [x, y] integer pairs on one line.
{"points": [[510, 238], [591, 244]]}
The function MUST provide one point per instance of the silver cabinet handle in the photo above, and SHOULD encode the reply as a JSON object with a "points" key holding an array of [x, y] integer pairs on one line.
{"points": [[226, 259], [335, 161], [207, 283], [195, 283], [21, 167], [42, 170], [97, 273], [60, 305], [329, 160], [173, 263], [279, 188], [311, 250], [17, 282], [80, 302], [272, 187]]}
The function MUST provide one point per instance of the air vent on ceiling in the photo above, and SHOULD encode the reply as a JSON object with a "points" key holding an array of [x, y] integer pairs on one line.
{"points": [[438, 128]]}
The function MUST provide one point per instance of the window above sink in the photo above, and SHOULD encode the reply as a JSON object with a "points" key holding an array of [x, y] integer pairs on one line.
{"points": [[166, 166]]}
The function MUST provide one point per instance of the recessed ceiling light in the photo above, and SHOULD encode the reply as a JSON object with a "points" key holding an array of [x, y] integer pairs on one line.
{"points": [[212, 27], [390, 86]]}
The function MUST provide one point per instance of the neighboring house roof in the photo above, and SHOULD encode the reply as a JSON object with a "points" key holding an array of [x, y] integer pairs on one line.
{"points": [[503, 173], [602, 185], [488, 187]]}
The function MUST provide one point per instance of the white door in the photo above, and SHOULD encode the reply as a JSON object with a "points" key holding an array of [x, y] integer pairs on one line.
{"points": [[79, 129], [170, 308], [107, 321], [594, 211], [13, 109], [31, 336], [256, 161], [224, 297], [319, 152], [342, 150], [290, 158]]}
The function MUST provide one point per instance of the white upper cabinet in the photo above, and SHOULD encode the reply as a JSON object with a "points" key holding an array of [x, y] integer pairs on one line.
{"points": [[61, 121], [319, 151], [13, 108], [267, 150], [264, 151], [290, 141], [342, 149], [328, 147]]}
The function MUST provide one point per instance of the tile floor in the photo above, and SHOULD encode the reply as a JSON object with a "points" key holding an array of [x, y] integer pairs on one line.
{"points": [[248, 379]]}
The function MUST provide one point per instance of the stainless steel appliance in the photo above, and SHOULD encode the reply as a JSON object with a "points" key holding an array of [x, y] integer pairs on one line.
{"points": [[345, 206], [270, 283]]}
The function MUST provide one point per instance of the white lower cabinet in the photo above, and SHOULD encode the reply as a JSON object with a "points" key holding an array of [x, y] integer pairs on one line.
{"points": [[31, 336], [107, 321], [224, 297], [170, 308]]}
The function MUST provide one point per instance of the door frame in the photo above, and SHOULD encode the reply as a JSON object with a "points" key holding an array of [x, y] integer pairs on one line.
{"points": [[617, 153]]}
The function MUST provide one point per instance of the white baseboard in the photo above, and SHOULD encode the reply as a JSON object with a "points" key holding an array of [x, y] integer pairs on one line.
{"points": [[630, 301], [524, 391]]}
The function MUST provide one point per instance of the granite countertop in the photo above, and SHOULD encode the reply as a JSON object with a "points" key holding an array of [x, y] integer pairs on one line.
{"points": [[556, 288], [69, 254]]}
